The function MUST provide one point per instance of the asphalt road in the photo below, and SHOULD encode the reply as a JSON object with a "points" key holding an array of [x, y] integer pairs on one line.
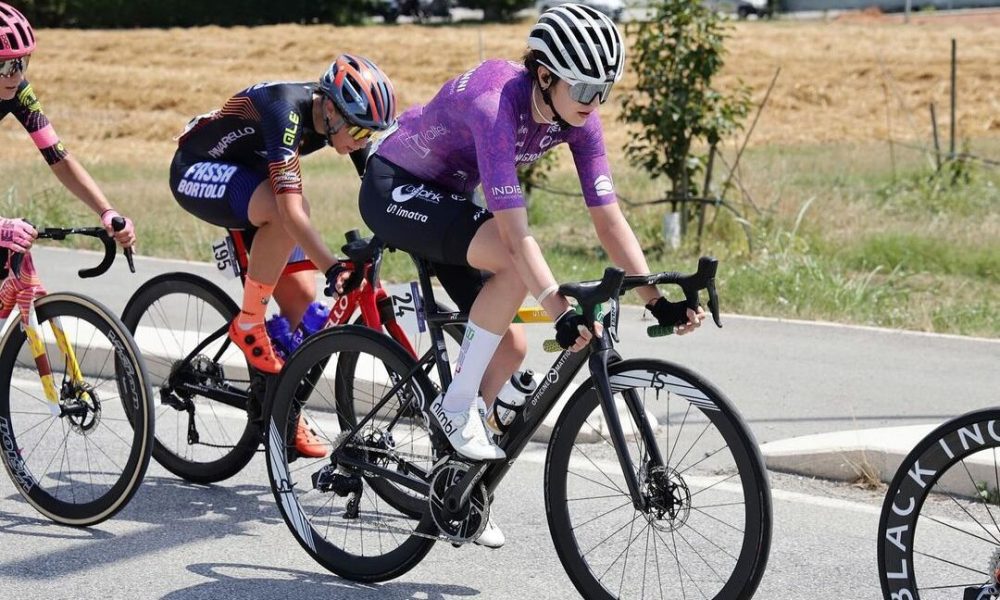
{"points": [[181, 541]]}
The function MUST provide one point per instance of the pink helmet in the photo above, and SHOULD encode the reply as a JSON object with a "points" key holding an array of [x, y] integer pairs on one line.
{"points": [[16, 36]]}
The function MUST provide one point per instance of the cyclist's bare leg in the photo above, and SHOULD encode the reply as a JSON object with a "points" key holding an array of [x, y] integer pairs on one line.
{"points": [[496, 304], [508, 357], [271, 249], [272, 245], [294, 293]]}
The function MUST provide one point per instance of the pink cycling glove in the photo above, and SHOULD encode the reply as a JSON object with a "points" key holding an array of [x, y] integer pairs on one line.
{"points": [[125, 237], [16, 234]]}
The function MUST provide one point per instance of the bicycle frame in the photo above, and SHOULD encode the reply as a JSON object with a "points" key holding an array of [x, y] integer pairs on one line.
{"points": [[369, 297], [20, 280], [599, 354]]}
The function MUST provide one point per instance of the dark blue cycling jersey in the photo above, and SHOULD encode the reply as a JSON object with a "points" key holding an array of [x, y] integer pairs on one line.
{"points": [[265, 127]]}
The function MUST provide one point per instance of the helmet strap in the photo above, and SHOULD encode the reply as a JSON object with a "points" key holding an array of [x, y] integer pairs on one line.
{"points": [[547, 98], [331, 130]]}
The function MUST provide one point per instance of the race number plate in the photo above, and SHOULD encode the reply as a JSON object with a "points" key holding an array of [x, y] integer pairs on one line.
{"points": [[225, 258], [407, 307]]}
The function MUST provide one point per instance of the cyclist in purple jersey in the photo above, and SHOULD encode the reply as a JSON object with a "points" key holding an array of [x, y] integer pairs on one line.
{"points": [[17, 42], [417, 196], [238, 167]]}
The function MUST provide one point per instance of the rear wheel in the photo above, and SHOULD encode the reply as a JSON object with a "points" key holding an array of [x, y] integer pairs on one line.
{"points": [[347, 516], [79, 461], [705, 527], [198, 437]]}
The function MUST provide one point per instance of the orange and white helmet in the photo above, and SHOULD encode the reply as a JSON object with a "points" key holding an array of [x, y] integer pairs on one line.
{"points": [[361, 92]]}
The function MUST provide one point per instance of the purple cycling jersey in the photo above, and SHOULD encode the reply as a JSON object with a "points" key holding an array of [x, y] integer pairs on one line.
{"points": [[479, 127]]}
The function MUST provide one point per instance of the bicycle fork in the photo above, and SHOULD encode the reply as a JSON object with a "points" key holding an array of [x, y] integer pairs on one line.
{"points": [[33, 331], [602, 384]]}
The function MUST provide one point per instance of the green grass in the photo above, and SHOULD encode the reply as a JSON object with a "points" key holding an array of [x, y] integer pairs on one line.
{"points": [[831, 232]]}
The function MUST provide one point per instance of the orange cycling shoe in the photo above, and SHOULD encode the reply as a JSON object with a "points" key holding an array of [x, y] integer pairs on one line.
{"points": [[307, 440], [256, 346]]}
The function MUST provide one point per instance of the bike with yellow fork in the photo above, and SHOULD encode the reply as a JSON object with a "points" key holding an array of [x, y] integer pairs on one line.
{"points": [[76, 414]]}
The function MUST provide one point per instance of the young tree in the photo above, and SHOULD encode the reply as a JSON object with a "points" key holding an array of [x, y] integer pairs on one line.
{"points": [[676, 55]]}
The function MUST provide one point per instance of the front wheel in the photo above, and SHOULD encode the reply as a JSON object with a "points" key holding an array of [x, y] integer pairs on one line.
{"points": [[80, 459], [939, 533], [704, 526]]}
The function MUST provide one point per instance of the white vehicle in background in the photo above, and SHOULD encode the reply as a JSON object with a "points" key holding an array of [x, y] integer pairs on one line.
{"points": [[612, 8], [759, 8]]}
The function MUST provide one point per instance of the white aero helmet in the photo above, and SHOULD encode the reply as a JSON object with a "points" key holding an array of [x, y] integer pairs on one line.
{"points": [[579, 44]]}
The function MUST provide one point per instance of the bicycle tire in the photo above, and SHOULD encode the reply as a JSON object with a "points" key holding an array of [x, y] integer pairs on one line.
{"points": [[929, 504], [228, 437], [691, 523], [315, 517], [401, 500], [104, 454]]}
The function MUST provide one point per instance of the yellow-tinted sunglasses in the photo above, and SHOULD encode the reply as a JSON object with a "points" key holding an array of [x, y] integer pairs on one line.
{"points": [[359, 133]]}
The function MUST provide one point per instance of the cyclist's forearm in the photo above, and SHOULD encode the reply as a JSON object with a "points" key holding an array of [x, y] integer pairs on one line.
{"points": [[298, 225], [536, 274], [78, 181], [624, 250]]}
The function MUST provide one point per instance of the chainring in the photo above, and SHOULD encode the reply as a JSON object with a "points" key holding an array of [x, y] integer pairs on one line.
{"points": [[475, 515]]}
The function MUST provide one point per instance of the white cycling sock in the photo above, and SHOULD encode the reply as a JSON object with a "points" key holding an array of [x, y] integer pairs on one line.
{"points": [[477, 350]]}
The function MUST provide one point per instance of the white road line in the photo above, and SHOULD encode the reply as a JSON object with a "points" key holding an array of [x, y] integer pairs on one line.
{"points": [[537, 456]]}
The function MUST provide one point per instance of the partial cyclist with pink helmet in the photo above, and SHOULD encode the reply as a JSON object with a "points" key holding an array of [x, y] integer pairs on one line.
{"points": [[17, 43], [238, 167]]}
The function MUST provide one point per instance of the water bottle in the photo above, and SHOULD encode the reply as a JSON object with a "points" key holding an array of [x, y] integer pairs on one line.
{"points": [[313, 320], [281, 336], [510, 400]]}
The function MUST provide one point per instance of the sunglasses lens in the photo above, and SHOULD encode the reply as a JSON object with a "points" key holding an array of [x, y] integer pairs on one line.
{"points": [[359, 133], [584, 93], [14, 65]]}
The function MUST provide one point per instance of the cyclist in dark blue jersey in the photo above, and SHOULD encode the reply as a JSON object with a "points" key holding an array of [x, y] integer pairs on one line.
{"points": [[17, 42], [238, 167]]}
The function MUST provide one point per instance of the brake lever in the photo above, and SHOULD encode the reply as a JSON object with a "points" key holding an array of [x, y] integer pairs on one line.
{"points": [[117, 224]]}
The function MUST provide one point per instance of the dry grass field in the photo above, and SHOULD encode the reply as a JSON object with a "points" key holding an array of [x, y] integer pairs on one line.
{"points": [[878, 242], [122, 95]]}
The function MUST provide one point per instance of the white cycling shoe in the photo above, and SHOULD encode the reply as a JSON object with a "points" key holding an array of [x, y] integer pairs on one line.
{"points": [[491, 537], [465, 431]]}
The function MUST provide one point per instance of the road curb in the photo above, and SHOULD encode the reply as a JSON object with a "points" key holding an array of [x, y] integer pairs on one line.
{"points": [[845, 455]]}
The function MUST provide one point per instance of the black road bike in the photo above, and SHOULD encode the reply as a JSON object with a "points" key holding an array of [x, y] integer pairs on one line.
{"points": [[654, 486]]}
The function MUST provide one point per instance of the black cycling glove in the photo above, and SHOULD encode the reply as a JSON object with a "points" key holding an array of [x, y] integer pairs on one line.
{"points": [[668, 314], [332, 275], [568, 328]]}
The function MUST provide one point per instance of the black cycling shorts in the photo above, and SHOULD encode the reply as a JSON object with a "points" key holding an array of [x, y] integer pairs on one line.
{"points": [[218, 193], [424, 220], [214, 191]]}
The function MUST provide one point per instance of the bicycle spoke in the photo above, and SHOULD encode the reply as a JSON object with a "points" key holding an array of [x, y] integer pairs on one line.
{"points": [[981, 526], [600, 470], [604, 514], [677, 436], [958, 529], [693, 444], [615, 532], [616, 488], [986, 504], [721, 481], [949, 562]]}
